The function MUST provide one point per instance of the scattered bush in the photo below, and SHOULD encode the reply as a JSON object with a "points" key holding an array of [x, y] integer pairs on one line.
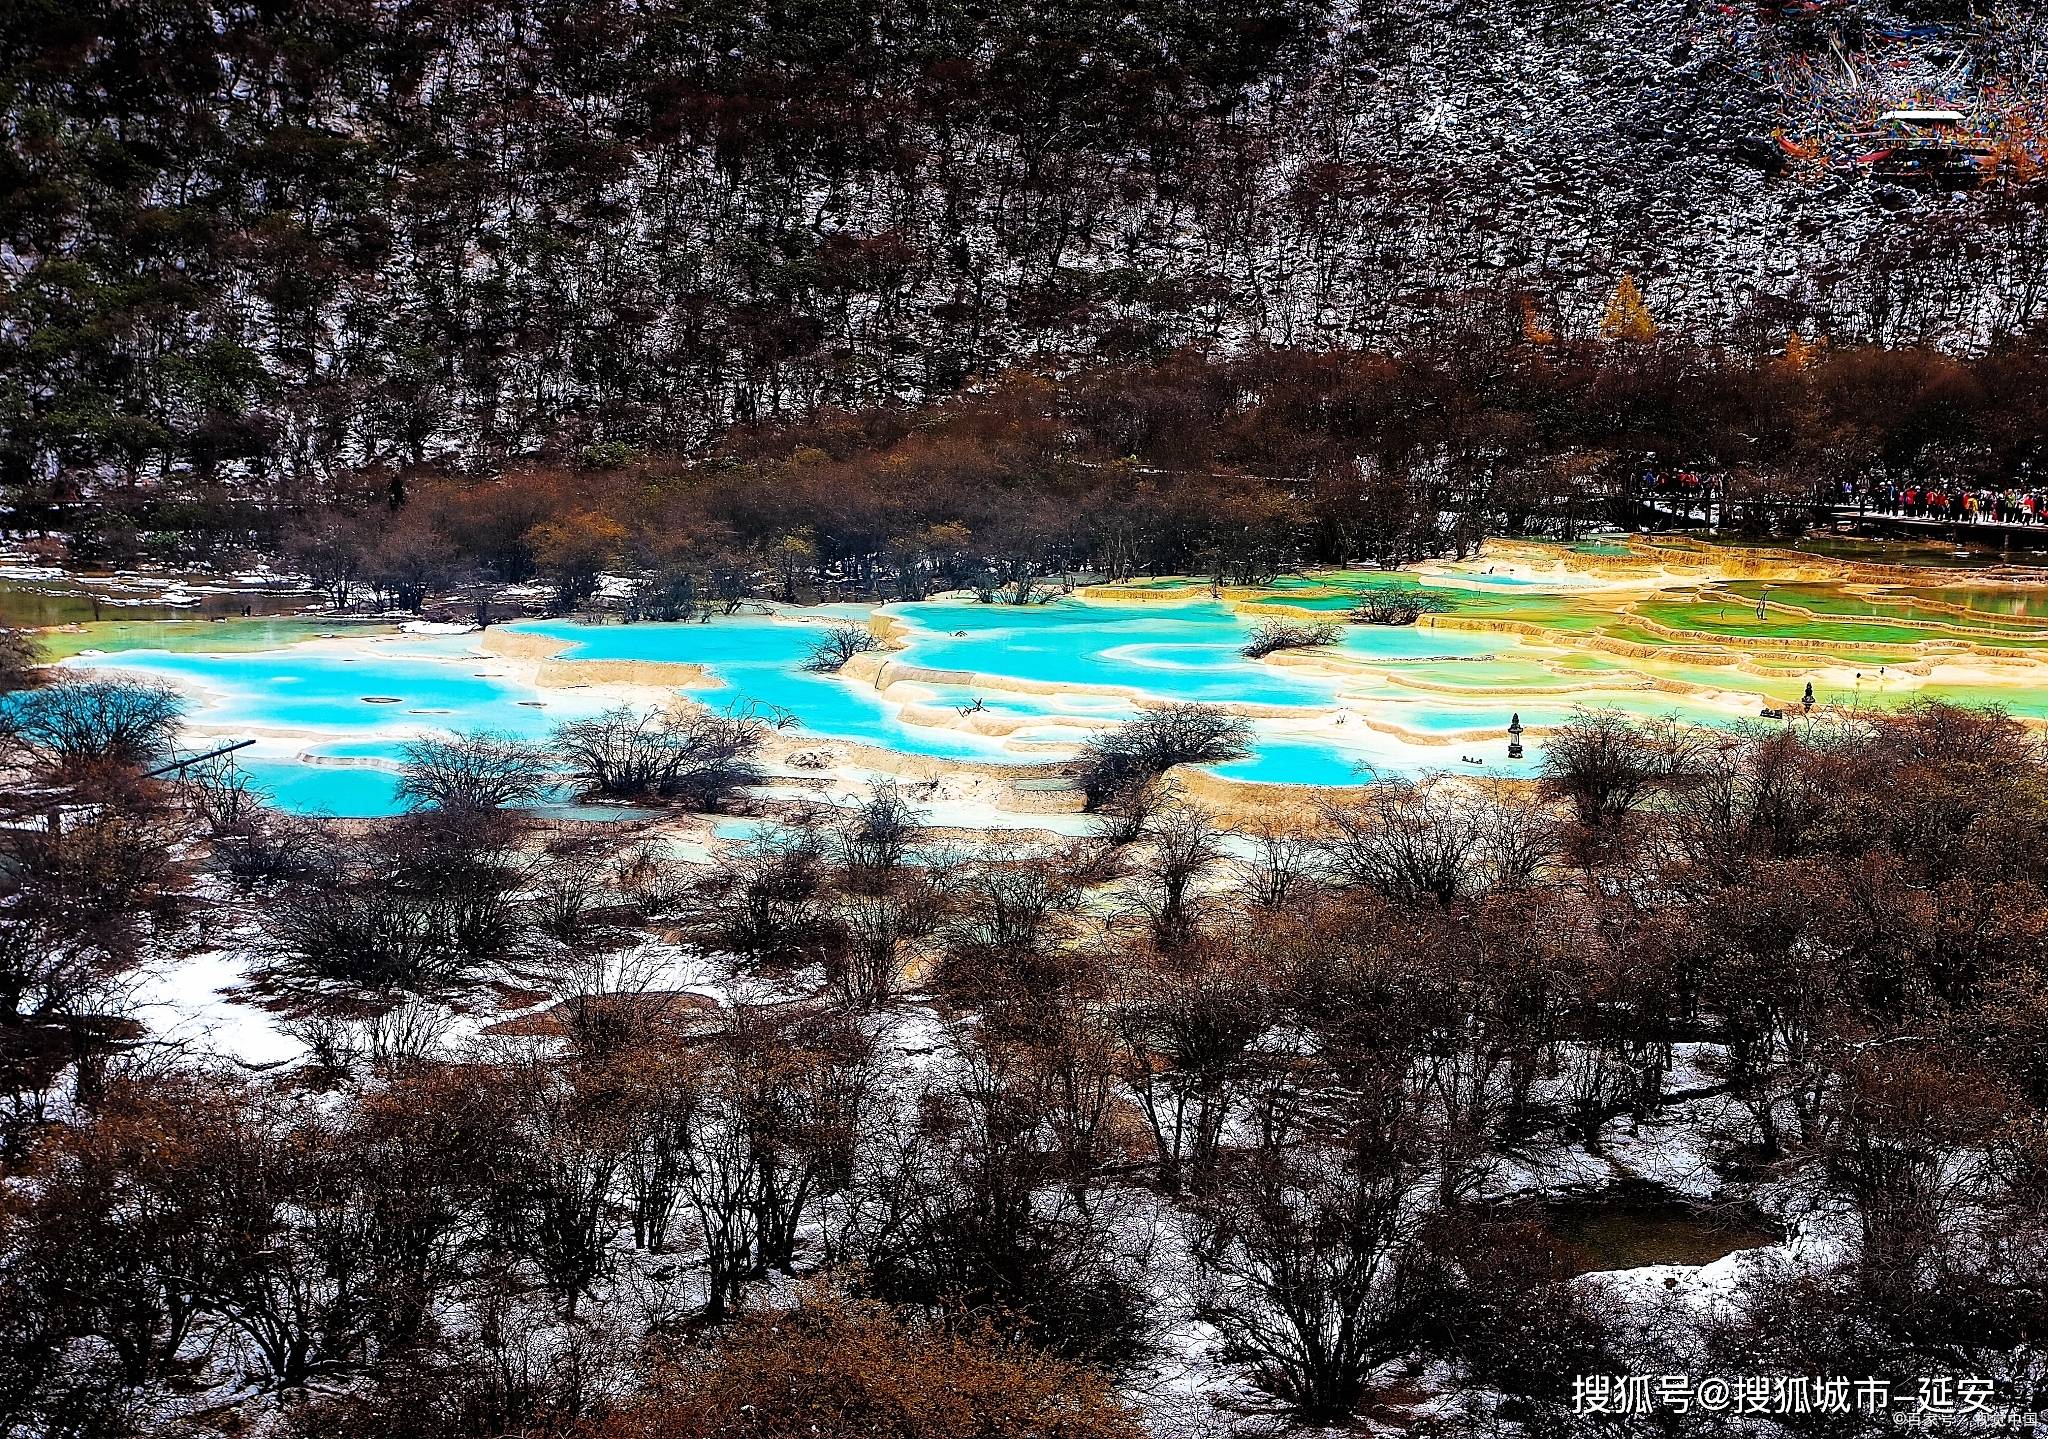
{"points": [[81, 722], [77, 905], [1398, 605], [1313, 1065], [1607, 764], [1114, 763], [413, 907], [839, 644], [699, 757], [472, 772], [1272, 636], [875, 843]]}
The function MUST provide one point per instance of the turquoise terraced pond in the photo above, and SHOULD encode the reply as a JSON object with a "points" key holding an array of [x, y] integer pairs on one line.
{"points": [[330, 716], [1647, 630]]}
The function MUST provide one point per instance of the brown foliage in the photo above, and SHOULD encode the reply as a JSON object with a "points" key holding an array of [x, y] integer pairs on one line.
{"points": [[837, 1368]]}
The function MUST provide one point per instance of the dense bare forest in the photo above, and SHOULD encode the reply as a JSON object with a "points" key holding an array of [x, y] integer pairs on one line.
{"points": [[974, 1132], [1235, 468]]}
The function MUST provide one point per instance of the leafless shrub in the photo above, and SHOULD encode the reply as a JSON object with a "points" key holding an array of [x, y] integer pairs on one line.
{"points": [[697, 756], [414, 907], [1186, 1024], [80, 721], [1123, 817], [1284, 865], [1272, 636], [1606, 764], [77, 904], [874, 933], [1398, 605], [567, 890], [878, 839], [839, 644], [1186, 845], [1113, 763], [762, 907], [388, 1040], [267, 844], [224, 798], [1302, 1271], [1434, 840], [473, 771]]}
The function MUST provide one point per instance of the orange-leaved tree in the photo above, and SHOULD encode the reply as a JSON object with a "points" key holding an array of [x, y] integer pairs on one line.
{"points": [[1802, 353], [572, 551]]}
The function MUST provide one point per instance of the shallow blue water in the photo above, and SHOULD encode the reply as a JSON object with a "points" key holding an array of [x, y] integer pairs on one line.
{"points": [[758, 662], [361, 792], [1181, 652], [343, 689], [1094, 659], [1293, 761], [351, 792], [436, 684]]}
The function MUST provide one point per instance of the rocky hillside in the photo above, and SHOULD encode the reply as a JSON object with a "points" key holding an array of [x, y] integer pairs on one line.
{"points": [[244, 241], [1574, 141]]}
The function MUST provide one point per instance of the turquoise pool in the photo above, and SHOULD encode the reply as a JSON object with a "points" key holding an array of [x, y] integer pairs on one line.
{"points": [[355, 701], [1450, 692]]}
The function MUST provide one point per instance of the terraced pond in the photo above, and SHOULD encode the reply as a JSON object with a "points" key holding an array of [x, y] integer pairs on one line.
{"points": [[1532, 632]]}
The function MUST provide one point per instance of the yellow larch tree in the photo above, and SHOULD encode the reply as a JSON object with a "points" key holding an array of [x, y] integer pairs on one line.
{"points": [[1628, 318], [1801, 352]]}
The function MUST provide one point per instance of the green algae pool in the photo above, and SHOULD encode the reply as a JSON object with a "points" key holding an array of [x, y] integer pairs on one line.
{"points": [[1914, 554], [2017, 610], [183, 636], [41, 604]]}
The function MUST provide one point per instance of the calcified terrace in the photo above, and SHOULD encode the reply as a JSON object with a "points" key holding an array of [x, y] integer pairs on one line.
{"points": [[978, 704]]}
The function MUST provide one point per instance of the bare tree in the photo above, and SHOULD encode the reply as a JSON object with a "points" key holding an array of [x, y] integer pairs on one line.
{"points": [[473, 771], [1606, 764], [1272, 636], [839, 644], [1283, 867], [1410, 840], [1301, 1258], [77, 722], [1398, 605], [1185, 846], [879, 837], [1187, 1024], [1138, 752], [697, 756]]}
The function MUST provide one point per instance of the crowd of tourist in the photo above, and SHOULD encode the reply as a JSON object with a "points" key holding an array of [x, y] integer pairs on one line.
{"points": [[2011, 505], [1967, 506]]}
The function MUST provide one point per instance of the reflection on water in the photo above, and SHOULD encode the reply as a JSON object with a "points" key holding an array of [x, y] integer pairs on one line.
{"points": [[1643, 1225], [35, 605]]}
